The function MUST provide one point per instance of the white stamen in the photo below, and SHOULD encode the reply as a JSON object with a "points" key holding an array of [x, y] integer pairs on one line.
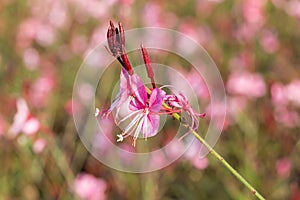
{"points": [[120, 138], [97, 112], [133, 122], [146, 124], [137, 131], [130, 115]]}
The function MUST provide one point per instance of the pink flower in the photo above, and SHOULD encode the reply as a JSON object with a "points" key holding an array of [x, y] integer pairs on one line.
{"points": [[292, 92], [283, 167], [88, 187], [253, 12], [128, 84], [39, 145], [269, 41], [31, 126], [40, 90], [192, 154], [288, 118], [247, 84], [180, 102], [23, 121], [146, 113], [278, 94]]}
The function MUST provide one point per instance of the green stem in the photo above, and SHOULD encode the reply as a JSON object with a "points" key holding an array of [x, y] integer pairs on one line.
{"points": [[228, 166], [218, 156]]}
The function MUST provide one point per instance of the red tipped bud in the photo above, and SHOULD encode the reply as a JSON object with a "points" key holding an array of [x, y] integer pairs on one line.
{"points": [[148, 65], [116, 44], [126, 62], [147, 62], [122, 36]]}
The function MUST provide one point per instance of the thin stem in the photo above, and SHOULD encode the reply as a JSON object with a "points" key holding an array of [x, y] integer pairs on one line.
{"points": [[218, 156], [228, 166]]}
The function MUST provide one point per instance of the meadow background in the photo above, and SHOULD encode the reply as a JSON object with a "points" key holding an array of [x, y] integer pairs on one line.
{"points": [[255, 44]]}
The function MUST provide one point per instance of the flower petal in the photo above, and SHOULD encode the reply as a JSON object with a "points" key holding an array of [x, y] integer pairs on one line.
{"points": [[150, 125], [138, 89], [156, 99]]}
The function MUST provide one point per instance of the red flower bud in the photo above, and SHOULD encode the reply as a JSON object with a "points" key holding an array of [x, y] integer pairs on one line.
{"points": [[148, 65]]}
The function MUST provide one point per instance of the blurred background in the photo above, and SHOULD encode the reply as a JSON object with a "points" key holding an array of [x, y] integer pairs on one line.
{"points": [[255, 44]]}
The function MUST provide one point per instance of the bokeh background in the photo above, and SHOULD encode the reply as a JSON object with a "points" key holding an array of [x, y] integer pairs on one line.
{"points": [[255, 44]]}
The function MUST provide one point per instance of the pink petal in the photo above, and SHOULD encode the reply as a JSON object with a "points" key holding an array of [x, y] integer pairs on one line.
{"points": [[138, 89], [20, 117], [156, 99], [135, 104], [150, 125], [31, 126], [39, 145], [124, 81]]}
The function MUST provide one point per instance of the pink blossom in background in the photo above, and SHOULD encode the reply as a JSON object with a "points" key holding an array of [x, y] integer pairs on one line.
{"points": [[293, 92], [198, 84], [288, 118], [236, 105], [98, 35], [92, 8], [58, 14], [31, 126], [200, 163], [254, 15], [174, 149], [217, 111], [243, 60], [152, 14], [72, 107], [192, 154], [20, 117], [269, 41], [253, 12], [23, 121], [45, 35], [189, 28], [39, 145], [278, 95], [31, 58], [40, 90], [26, 32], [247, 84], [78, 44], [283, 167], [157, 159], [283, 94], [292, 7], [88, 187], [245, 32], [35, 29]]}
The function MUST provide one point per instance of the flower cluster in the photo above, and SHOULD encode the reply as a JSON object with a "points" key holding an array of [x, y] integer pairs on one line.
{"points": [[145, 104]]}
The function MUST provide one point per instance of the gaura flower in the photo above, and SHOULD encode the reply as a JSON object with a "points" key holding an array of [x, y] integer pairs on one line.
{"points": [[144, 108], [180, 101], [128, 85], [145, 113]]}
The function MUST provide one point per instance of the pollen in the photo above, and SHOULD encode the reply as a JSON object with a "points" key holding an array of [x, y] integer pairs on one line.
{"points": [[120, 138]]}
